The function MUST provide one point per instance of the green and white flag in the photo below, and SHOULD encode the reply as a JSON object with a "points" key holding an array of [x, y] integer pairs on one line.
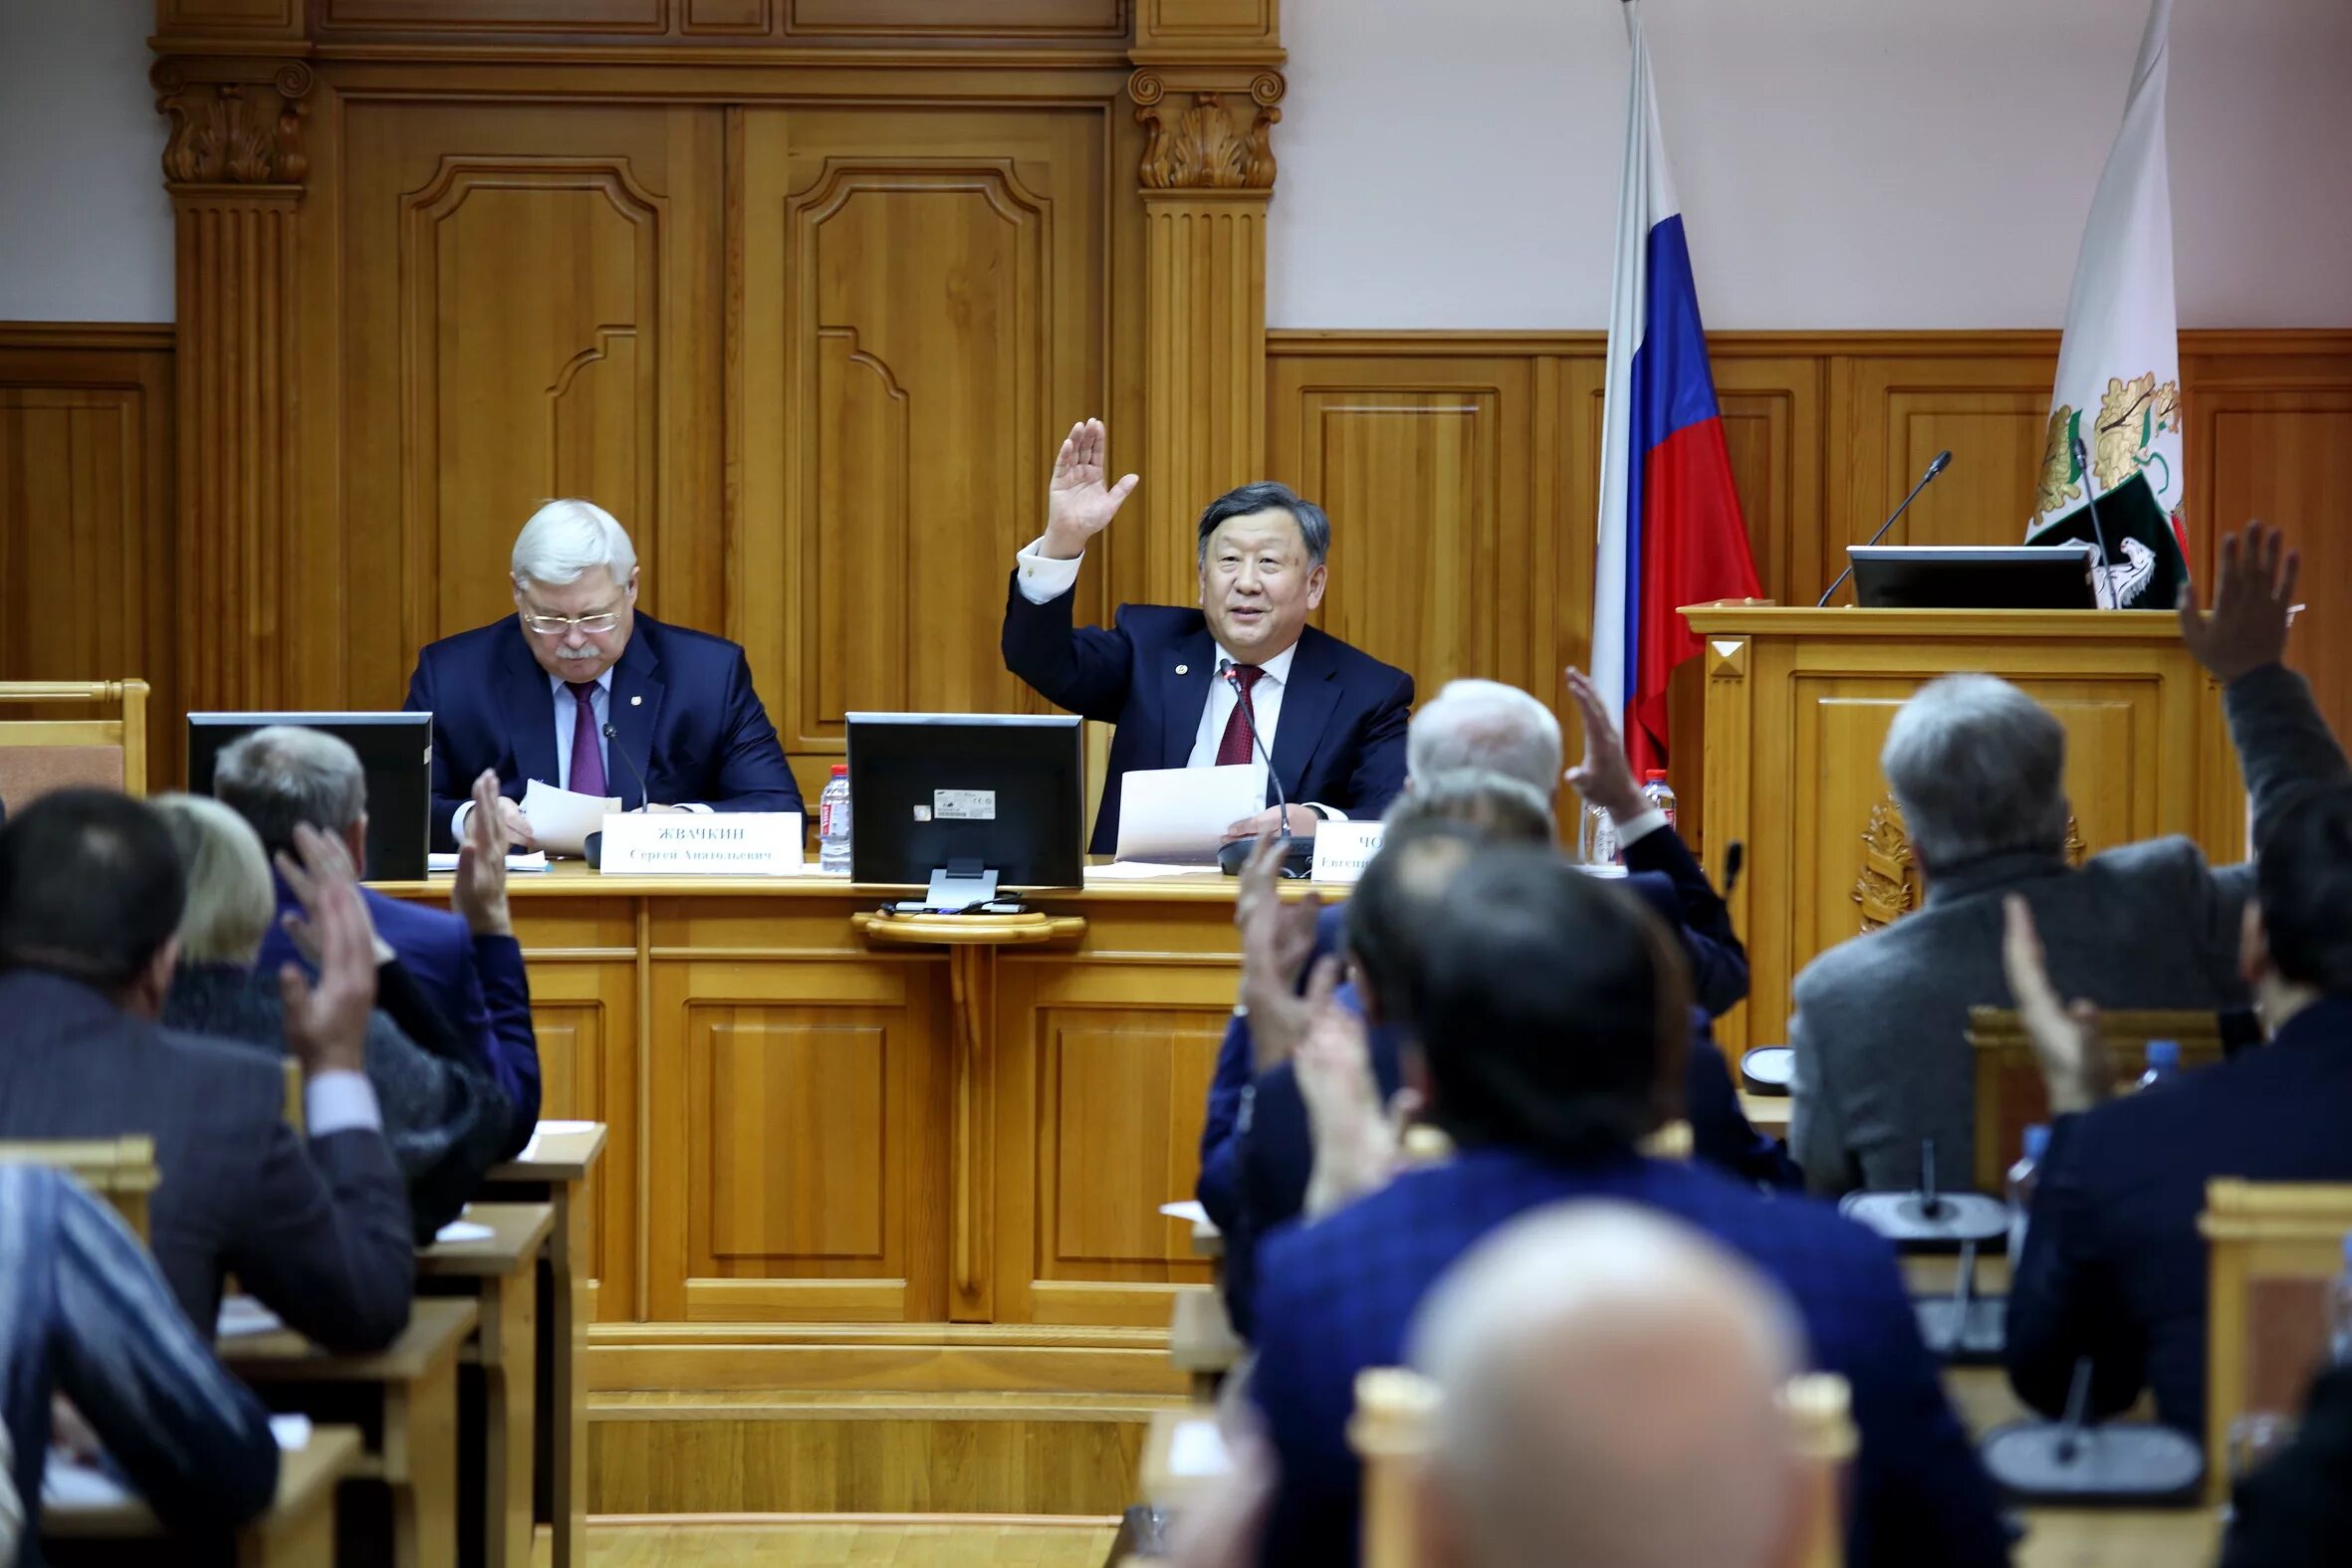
{"points": [[2119, 366]]}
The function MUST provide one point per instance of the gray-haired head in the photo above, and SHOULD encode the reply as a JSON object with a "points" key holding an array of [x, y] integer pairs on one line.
{"points": [[1978, 768], [1315, 529], [566, 539], [1485, 725], [1501, 809], [1611, 1377], [283, 776]]}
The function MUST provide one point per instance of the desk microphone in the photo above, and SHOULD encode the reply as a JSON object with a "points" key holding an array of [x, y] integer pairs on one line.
{"points": [[2102, 590], [1941, 462], [593, 846], [1299, 860]]}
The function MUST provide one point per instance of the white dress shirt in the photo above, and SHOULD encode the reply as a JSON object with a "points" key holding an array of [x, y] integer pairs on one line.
{"points": [[1044, 579]]}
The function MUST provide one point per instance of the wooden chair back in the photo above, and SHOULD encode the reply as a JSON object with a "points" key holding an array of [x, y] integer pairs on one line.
{"points": [[2010, 1094], [120, 1169], [41, 754], [1394, 1428], [2271, 1250]]}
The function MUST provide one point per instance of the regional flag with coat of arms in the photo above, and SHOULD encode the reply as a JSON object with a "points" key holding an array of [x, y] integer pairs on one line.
{"points": [[2119, 368]]}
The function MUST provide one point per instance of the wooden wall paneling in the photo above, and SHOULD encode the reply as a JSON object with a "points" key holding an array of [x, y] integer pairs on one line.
{"points": [[537, 316], [893, 418], [1775, 418], [87, 590], [798, 1121], [956, 19]]}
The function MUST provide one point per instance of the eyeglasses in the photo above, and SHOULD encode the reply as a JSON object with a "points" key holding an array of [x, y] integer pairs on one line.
{"points": [[557, 625]]}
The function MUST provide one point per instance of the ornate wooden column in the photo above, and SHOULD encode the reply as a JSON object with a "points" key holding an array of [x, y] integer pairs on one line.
{"points": [[1206, 87], [235, 168]]}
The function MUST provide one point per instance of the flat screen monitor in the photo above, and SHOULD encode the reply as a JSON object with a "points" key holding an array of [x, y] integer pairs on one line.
{"points": [[396, 749], [988, 792], [1973, 576]]}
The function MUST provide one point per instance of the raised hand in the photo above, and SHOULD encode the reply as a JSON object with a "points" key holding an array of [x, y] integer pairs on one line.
{"points": [[1355, 1140], [1078, 504], [1604, 778], [1276, 940], [2252, 603], [479, 892], [2067, 1040], [327, 1022], [327, 861]]}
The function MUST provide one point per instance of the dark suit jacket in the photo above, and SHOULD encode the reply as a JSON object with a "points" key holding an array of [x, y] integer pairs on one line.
{"points": [[1881, 1028], [681, 701], [1340, 739], [476, 983], [319, 1230], [1338, 1296], [2296, 1510], [2114, 1268]]}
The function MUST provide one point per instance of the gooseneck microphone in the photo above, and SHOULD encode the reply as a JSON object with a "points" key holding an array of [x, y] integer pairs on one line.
{"points": [[1298, 859], [2102, 595], [1941, 462], [613, 744]]}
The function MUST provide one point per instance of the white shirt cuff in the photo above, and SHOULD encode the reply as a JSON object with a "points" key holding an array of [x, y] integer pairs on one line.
{"points": [[457, 820], [693, 805], [1044, 579], [1640, 826], [339, 1101], [1332, 813]]}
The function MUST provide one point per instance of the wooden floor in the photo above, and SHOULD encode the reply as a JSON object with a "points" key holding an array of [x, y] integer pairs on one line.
{"points": [[785, 1541]]}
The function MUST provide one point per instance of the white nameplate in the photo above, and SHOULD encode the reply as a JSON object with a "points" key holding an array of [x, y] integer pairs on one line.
{"points": [[702, 843], [1343, 849]]}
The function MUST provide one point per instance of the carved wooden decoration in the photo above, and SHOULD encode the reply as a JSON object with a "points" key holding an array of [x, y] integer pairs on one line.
{"points": [[1888, 886], [1209, 138], [233, 121]]}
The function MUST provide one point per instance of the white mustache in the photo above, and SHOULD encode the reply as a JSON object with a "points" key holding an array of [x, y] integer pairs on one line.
{"points": [[582, 653]]}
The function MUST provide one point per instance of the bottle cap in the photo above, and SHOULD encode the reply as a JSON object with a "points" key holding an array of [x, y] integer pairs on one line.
{"points": [[2164, 1053], [841, 770], [1654, 776], [2038, 1142]]}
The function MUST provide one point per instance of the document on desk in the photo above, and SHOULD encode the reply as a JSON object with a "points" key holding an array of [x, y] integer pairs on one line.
{"points": [[561, 820], [1180, 815]]}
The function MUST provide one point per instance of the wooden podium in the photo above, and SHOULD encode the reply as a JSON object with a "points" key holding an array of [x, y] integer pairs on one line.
{"points": [[1797, 705]]}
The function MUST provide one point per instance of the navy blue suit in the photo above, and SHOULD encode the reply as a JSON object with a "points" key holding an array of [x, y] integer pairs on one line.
{"points": [[682, 706], [1340, 739], [477, 983], [1338, 1296], [2114, 1268]]}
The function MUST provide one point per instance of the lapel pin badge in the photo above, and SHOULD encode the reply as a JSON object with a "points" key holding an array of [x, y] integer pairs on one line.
{"points": [[1184, 669], [636, 701]]}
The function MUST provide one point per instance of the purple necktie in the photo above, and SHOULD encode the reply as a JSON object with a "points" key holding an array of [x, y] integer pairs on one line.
{"points": [[587, 763]]}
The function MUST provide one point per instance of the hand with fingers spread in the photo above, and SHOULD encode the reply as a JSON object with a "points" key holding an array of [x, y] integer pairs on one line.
{"points": [[1277, 938], [479, 892], [1356, 1139], [326, 1020], [2067, 1040], [303, 882], [2254, 599], [1078, 504], [1604, 778]]}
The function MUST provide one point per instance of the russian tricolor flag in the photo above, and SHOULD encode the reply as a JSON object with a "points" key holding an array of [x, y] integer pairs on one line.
{"points": [[1670, 528]]}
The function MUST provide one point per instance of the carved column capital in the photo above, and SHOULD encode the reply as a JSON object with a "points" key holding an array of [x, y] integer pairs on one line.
{"points": [[234, 121], [1207, 128]]}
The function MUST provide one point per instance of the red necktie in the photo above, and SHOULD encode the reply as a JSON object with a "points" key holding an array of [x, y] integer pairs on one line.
{"points": [[1235, 746], [588, 761]]}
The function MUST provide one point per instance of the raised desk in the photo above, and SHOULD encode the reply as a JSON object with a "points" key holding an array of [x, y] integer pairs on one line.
{"points": [[500, 1273], [554, 1168], [403, 1398], [296, 1531], [835, 1161]]}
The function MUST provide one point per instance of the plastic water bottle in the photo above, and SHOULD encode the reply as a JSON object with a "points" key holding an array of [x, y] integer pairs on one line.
{"points": [[1599, 841], [2025, 1176], [2164, 1063], [2339, 1312], [1657, 793], [833, 822]]}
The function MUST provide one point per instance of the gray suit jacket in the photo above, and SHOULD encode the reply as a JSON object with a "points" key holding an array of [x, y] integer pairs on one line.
{"points": [[318, 1229], [1880, 1031]]}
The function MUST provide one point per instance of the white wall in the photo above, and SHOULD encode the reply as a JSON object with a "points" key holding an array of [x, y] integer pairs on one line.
{"points": [[85, 224], [1841, 164]]}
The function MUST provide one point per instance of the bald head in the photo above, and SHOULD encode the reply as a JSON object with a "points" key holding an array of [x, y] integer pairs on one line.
{"points": [[1610, 1385]]}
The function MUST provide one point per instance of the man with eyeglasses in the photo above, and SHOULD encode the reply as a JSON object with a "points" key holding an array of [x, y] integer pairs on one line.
{"points": [[578, 691]]}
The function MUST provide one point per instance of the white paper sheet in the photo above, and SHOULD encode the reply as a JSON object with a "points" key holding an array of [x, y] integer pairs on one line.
{"points": [[533, 861], [464, 1230], [548, 1130], [1180, 814], [1188, 1211], [68, 1483], [1197, 1449], [292, 1432], [243, 1315], [1138, 871], [561, 820]]}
